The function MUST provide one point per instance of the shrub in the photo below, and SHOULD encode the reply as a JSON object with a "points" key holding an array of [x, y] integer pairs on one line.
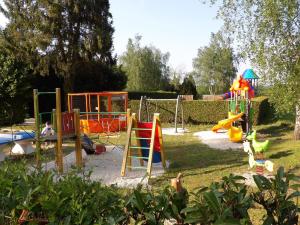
{"points": [[136, 95], [276, 197], [75, 199], [201, 111], [225, 202]]}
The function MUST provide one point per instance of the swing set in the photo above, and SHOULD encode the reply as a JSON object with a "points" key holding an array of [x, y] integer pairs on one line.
{"points": [[146, 102]]}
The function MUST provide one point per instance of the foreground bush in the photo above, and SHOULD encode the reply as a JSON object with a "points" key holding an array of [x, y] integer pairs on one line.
{"points": [[75, 199]]}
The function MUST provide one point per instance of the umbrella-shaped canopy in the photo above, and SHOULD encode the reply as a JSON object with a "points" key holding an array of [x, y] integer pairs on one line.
{"points": [[250, 75]]}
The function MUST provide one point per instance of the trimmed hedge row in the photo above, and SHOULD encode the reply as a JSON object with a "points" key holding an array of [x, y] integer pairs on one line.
{"points": [[136, 95], [201, 111]]}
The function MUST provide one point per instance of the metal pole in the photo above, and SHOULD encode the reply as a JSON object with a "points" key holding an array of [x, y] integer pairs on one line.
{"points": [[182, 116], [140, 108], [176, 112]]}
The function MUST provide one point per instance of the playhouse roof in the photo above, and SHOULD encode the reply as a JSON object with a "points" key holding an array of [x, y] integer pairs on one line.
{"points": [[249, 74]]}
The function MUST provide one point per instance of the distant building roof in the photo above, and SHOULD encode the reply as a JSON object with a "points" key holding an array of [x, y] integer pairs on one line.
{"points": [[249, 74]]}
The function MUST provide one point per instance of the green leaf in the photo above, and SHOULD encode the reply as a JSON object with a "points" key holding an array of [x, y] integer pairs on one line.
{"points": [[212, 202], [293, 195]]}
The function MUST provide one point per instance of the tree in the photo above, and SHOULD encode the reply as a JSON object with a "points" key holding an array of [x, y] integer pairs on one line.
{"points": [[214, 67], [146, 67], [268, 33], [14, 88], [188, 86], [60, 35]]}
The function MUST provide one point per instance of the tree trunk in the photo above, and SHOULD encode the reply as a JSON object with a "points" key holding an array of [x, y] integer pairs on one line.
{"points": [[297, 123]]}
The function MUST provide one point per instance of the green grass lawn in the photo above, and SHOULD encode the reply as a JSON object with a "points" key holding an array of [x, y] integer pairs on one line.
{"points": [[202, 165]]}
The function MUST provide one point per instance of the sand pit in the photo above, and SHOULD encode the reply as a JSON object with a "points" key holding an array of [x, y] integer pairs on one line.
{"points": [[171, 131], [217, 140], [106, 167]]}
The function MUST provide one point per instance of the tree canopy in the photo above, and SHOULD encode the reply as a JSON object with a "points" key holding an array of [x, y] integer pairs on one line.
{"points": [[268, 33], [60, 35], [213, 68], [14, 88], [146, 67]]}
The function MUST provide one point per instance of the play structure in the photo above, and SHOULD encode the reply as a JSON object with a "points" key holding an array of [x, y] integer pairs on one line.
{"points": [[257, 158], [240, 108], [145, 105], [100, 112], [146, 145], [65, 124]]}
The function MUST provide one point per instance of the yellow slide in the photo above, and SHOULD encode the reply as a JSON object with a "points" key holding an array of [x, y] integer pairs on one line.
{"points": [[227, 123], [235, 134]]}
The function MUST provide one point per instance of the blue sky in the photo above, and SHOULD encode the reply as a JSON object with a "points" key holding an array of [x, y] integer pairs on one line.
{"points": [[179, 27], [175, 26]]}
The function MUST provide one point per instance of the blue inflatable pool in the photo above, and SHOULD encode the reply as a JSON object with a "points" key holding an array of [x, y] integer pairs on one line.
{"points": [[18, 136]]}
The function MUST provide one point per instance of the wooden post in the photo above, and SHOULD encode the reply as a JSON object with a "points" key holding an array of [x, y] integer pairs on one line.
{"points": [[128, 115], [69, 103], [127, 145], [37, 128], [77, 142], [162, 150], [126, 102], [55, 129], [59, 131], [149, 166]]}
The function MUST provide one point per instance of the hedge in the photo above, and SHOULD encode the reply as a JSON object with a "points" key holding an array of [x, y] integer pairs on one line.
{"points": [[136, 95], [201, 111]]}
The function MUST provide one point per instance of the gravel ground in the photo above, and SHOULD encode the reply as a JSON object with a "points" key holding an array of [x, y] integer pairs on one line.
{"points": [[217, 140], [171, 131]]}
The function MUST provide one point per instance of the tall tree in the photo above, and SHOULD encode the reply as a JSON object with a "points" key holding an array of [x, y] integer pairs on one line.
{"points": [[268, 33], [214, 67], [14, 88], [60, 34], [146, 67]]}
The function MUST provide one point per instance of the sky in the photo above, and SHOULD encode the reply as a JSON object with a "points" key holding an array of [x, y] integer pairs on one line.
{"points": [[179, 27], [175, 26]]}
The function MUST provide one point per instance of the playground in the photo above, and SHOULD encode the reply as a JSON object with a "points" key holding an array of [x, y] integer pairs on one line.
{"points": [[99, 134]]}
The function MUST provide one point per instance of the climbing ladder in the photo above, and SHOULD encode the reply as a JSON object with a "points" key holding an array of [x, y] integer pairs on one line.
{"points": [[148, 144]]}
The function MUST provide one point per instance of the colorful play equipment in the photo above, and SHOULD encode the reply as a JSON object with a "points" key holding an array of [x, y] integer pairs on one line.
{"points": [[257, 161], [145, 104], [147, 145], [65, 124], [240, 95], [259, 147], [98, 111], [250, 76]]}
